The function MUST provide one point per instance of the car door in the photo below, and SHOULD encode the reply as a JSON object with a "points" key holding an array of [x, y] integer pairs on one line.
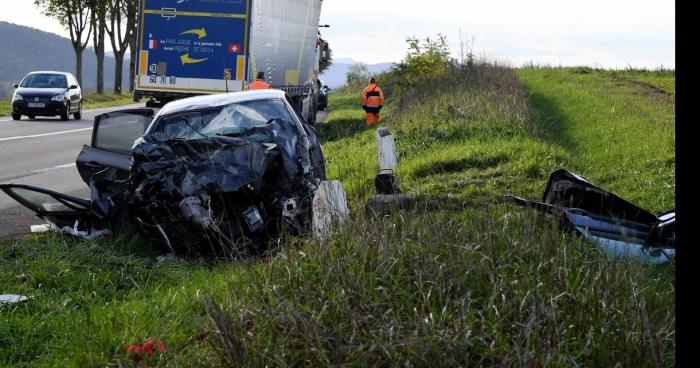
{"points": [[113, 136], [62, 211]]}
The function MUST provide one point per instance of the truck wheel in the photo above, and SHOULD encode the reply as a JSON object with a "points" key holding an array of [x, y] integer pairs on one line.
{"points": [[16, 116], [78, 115]]}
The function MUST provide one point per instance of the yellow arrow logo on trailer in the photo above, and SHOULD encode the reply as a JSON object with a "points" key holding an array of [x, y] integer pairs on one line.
{"points": [[186, 59], [201, 33]]}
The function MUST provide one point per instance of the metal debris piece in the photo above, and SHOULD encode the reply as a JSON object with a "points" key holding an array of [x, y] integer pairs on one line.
{"points": [[616, 226], [11, 298], [42, 228]]}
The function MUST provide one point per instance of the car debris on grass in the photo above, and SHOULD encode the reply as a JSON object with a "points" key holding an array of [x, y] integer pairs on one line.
{"points": [[616, 226]]}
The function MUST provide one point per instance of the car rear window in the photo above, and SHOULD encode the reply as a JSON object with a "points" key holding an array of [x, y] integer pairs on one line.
{"points": [[223, 120]]}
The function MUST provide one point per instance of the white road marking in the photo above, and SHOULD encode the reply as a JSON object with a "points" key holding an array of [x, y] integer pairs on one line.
{"points": [[43, 134], [64, 166], [37, 172]]}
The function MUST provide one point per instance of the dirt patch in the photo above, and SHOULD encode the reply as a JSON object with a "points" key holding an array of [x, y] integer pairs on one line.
{"points": [[648, 87]]}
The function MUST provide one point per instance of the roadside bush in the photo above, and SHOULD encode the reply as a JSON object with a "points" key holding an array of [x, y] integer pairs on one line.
{"points": [[426, 60]]}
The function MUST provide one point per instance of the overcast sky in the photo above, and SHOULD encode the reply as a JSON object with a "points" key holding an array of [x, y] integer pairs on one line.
{"points": [[605, 33]]}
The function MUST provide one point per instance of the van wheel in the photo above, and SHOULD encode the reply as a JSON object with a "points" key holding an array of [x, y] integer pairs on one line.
{"points": [[16, 116]]}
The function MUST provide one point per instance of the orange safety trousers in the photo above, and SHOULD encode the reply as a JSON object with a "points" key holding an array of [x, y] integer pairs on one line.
{"points": [[372, 118]]}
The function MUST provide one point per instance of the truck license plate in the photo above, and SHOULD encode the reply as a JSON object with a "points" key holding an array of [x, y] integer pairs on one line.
{"points": [[37, 104]]}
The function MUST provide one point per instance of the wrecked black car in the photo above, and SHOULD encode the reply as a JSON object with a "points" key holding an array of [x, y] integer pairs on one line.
{"points": [[616, 226], [211, 174]]}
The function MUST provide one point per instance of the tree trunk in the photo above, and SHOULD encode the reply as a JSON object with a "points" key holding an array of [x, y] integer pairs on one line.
{"points": [[100, 54], [132, 63], [78, 64], [118, 67]]}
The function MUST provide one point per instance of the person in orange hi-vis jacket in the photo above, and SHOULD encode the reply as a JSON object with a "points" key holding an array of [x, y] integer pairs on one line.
{"points": [[372, 100], [260, 82]]}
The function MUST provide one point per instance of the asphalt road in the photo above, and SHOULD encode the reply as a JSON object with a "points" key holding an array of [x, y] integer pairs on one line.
{"points": [[42, 153]]}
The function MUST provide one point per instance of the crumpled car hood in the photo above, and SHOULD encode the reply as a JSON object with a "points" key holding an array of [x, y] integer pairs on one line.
{"points": [[177, 168]]}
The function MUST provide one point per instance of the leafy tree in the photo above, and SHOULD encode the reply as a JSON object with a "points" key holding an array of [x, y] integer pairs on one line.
{"points": [[75, 15], [426, 59], [326, 55], [358, 73]]}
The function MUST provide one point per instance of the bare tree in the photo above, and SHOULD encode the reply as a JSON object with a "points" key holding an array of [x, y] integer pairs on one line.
{"points": [[119, 30], [99, 12], [75, 15]]}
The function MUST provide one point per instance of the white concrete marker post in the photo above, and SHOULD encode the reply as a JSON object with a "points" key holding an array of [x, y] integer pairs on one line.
{"points": [[386, 149], [330, 208]]}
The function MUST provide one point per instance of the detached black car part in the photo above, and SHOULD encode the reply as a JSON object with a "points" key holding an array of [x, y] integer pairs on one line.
{"points": [[218, 174], [618, 227]]}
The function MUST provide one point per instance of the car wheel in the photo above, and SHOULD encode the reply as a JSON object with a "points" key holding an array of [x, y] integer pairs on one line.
{"points": [[64, 115], [78, 115], [16, 116], [31, 116]]}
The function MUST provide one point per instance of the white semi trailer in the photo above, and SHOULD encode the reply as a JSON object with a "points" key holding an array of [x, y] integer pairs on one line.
{"points": [[195, 47]]}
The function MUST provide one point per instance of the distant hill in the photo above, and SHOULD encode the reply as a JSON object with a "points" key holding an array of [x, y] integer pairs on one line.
{"points": [[334, 76], [26, 49]]}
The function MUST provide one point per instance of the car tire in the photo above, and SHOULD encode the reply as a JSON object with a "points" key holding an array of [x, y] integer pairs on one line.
{"points": [[16, 116], [64, 115], [31, 116], [78, 115]]}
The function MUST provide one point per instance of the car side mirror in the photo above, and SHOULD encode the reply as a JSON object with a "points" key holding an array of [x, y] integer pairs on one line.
{"points": [[15, 85], [73, 86]]}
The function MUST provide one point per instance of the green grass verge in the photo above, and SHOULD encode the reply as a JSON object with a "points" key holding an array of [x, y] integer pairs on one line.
{"points": [[477, 283], [91, 100]]}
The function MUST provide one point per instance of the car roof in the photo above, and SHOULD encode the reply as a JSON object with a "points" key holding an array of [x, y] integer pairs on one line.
{"points": [[49, 72], [219, 99]]}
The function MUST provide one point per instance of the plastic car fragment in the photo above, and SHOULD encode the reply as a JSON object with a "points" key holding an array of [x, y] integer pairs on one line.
{"points": [[619, 228]]}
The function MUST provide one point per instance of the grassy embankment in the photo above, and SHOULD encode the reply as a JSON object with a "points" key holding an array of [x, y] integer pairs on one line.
{"points": [[478, 283], [91, 100]]}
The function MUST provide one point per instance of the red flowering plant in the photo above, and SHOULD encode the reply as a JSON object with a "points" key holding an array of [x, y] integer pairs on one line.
{"points": [[150, 347]]}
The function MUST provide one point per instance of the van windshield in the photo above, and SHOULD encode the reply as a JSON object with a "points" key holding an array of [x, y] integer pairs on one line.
{"points": [[228, 120], [45, 80]]}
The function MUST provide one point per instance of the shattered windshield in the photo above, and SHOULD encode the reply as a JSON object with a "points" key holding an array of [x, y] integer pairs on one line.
{"points": [[45, 81], [228, 120]]}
